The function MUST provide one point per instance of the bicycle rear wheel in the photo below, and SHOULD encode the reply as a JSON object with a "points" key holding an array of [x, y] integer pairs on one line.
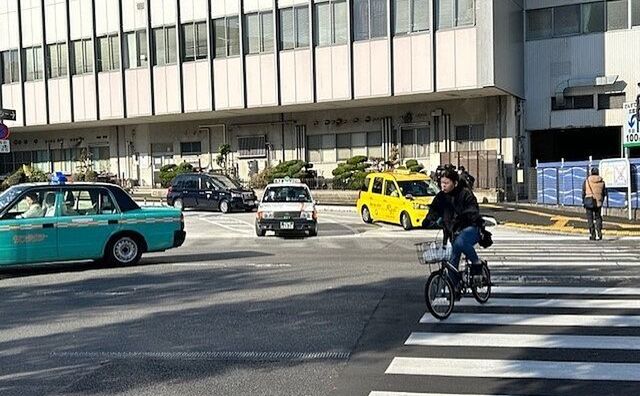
{"points": [[439, 295], [482, 291]]}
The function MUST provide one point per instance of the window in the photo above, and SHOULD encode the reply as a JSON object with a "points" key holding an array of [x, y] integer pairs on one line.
{"points": [[573, 102], [390, 188], [617, 14], [190, 148], [227, 37], [377, 186], [593, 17], [374, 144], [164, 46], [294, 27], [331, 22], [89, 202], [252, 147], [566, 20], [454, 13], [611, 101], [34, 69], [135, 51], [259, 38], [414, 142], [411, 16], [539, 24], [369, 19], [470, 137], [10, 67], [108, 53], [82, 56], [343, 146], [57, 60], [365, 185], [635, 13], [100, 158], [194, 41], [321, 148]]}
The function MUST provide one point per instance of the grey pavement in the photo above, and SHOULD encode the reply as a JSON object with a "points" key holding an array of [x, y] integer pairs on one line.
{"points": [[232, 314]]}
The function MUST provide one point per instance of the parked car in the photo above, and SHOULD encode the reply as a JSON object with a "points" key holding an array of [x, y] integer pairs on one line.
{"points": [[47, 222], [210, 191], [287, 206], [399, 197]]}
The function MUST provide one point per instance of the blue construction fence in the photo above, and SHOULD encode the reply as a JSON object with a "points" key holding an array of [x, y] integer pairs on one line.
{"points": [[560, 183]]}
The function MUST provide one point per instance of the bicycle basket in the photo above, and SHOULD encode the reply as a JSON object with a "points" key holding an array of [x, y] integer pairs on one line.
{"points": [[433, 252]]}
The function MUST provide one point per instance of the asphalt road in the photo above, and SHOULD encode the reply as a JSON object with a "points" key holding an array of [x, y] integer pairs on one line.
{"points": [[232, 314]]}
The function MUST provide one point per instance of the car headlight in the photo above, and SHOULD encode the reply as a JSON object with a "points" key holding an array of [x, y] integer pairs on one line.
{"points": [[308, 215], [420, 206], [236, 195], [265, 215]]}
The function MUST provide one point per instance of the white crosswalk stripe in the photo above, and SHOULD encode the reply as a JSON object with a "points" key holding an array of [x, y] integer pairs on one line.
{"points": [[573, 334]]}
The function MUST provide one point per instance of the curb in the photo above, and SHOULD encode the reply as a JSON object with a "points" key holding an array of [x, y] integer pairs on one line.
{"points": [[567, 230]]}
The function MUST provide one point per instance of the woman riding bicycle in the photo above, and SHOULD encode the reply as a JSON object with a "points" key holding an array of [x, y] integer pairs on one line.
{"points": [[455, 208]]}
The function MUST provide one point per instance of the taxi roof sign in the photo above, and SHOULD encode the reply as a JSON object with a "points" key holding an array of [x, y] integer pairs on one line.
{"points": [[287, 180], [58, 178]]}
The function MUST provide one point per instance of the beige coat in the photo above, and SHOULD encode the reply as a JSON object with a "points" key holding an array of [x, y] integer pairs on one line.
{"points": [[594, 187]]}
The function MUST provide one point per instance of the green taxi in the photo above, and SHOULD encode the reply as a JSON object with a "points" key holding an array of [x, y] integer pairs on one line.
{"points": [[46, 222]]}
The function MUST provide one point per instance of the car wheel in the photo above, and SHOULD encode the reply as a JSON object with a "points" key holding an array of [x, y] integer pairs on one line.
{"points": [[405, 220], [178, 204], [366, 215], [124, 250], [313, 232], [224, 206]]}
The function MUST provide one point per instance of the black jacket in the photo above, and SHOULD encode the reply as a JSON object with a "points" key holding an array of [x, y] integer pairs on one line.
{"points": [[458, 210]]}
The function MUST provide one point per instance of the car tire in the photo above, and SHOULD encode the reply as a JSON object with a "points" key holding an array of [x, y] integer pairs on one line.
{"points": [[260, 232], [224, 206], [366, 215], [178, 204], [405, 221], [314, 232], [124, 250]]}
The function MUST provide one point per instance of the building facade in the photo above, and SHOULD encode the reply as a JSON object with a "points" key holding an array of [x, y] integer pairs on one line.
{"points": [[143, 83]]}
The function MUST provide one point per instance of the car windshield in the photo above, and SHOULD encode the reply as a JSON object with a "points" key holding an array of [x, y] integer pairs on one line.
{"points": [[9, 195], [226, 182], [287, 194], [418, 188]]}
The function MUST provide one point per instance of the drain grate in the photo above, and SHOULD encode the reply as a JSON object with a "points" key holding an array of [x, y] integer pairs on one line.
{"points": [[211, 355]]}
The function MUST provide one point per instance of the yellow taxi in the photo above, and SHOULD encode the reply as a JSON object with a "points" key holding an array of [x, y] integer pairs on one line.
{"points": [[398, 197]]}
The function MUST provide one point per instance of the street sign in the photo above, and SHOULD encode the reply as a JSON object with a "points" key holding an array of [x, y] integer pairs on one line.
{"points": [[631, 135], [5, 147], [7, 114], [4, 132], [616, 172]]}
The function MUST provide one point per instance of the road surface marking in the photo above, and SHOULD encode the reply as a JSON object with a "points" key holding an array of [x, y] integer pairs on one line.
{"points": [[538, 320], [555, 303], [613, 291]]}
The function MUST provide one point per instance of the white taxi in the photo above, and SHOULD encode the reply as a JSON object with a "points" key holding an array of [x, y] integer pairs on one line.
{"points": [[287, 206]]}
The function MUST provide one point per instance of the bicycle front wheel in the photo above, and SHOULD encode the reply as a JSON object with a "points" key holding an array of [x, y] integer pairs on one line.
{"points": [[439, 295], [482, 289]]}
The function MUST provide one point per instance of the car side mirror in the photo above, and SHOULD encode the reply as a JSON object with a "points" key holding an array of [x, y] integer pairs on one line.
{"points": [[409, 197]]}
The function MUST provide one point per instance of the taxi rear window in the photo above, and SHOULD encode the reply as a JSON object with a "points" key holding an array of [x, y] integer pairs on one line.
{"points": [[287, 194], [125, 202]]}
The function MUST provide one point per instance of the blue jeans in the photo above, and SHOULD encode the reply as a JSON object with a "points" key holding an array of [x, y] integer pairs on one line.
{"points": [[465, 243]]}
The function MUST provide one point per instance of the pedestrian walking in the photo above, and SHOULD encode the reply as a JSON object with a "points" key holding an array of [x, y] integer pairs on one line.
{"points": [[594, 193]]}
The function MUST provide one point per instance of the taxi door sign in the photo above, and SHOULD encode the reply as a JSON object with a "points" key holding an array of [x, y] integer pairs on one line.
{"points": [[631, 135]]}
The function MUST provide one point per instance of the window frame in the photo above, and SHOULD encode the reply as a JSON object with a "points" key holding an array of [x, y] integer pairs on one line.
{"points": [[252, 152], [99, 190], [87, 56], [412, 19], [454, 23], [295, 34], [167, 60], [264, 49], [332, 23], [195, 47], [35, 54], [227, 45], [190, 152], [113, 55], [609, 96], [470, 127], [62, 66], [369, 21], [139, 43], [572, 99], [14, 66]]}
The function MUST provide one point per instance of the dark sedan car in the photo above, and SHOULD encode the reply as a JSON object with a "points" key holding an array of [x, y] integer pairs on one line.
{"points": [[210, 191]]}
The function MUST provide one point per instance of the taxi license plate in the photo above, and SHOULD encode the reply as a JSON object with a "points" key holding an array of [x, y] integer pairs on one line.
{"points": [[286, 225]]}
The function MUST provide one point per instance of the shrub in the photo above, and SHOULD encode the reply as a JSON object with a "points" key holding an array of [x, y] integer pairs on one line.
{"points": [[25, 174], [413, 165], [168, 172], [351, 175]]}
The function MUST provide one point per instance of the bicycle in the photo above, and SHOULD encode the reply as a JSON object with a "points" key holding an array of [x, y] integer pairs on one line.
{"points": [[440, 294]]}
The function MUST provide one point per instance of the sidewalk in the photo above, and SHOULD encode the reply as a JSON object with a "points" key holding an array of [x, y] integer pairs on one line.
{"points": [[555, 220]]}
